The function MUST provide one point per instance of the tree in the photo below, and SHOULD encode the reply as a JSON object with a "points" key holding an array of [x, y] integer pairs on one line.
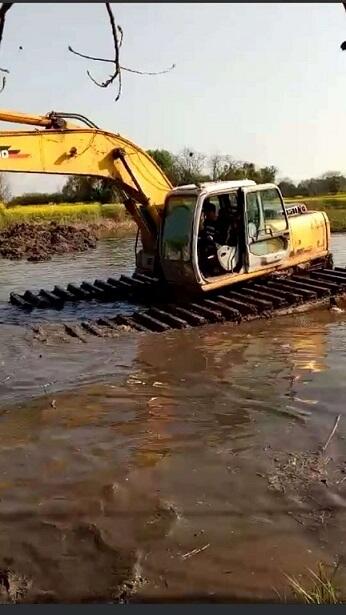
{"points": [[188, 167], [268, 174], [328, 183], [4, 188], [247, 170], [36, 198], [218, 164], [303, 188], [166, 161], [334, 183], [233, 170], [184, 168], [86, 189], [288, 188]]}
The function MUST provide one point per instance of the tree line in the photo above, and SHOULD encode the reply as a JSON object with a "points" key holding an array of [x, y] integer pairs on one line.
{"points": [[187, 167]]}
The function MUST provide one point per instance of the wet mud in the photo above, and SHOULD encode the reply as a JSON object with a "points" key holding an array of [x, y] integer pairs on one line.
{"points": [[39, 242]]}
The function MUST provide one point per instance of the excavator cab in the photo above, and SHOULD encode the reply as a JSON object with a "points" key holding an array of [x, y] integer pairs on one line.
{"points": [[220, 230]]}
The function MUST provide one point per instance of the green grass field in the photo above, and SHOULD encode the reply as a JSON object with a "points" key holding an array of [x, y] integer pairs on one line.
{"points": [[64, 213], [334, 206]]}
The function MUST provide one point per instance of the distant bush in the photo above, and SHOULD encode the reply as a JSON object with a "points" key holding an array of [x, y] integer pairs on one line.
{"points": [[63, 213], [37, 198], [335, 208]]}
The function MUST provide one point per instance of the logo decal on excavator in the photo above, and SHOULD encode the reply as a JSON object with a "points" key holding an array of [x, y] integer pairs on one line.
{"points": [[7, 152]]}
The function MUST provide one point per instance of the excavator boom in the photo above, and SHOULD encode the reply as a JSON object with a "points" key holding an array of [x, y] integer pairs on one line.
{"points": [[68, 149]]}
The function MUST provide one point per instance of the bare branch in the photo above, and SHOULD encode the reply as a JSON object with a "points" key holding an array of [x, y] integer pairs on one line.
{"points": [[120, 85], [84, 55], [142, 72], [129, 70], [4, 8], [118, 35], [115, 61], [343, 45]]}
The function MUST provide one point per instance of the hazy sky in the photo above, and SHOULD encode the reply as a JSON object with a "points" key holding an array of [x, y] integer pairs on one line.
{"points": [[262, 82]]}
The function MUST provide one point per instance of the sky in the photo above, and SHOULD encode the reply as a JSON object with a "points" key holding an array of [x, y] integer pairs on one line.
{"points": [[260, 82]]}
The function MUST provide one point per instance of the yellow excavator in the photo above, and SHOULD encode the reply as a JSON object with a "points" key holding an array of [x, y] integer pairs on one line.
{"points": [[195, 238], [169, 218]]}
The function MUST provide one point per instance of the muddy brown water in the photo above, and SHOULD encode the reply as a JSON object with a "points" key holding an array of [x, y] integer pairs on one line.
{"points": [[147, 467]]}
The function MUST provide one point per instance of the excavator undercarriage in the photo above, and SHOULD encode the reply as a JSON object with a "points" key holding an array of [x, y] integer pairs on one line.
{"points": [[156, 309]]}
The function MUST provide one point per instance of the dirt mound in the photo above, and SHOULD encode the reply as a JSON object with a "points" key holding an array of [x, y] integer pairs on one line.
{"points": [[39, 242]]}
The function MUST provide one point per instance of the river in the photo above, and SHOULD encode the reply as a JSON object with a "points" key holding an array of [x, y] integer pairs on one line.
{"points": [[155, 467]]}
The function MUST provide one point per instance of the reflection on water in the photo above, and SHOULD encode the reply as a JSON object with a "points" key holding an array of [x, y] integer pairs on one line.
{"points": [[156, 466], [110, 257]]}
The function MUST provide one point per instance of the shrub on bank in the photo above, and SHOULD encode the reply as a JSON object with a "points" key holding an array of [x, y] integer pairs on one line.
{"points": [[62, 213]]}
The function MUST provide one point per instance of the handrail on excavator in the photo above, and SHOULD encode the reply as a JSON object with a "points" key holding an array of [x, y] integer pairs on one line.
{"points": [[53, 120]]}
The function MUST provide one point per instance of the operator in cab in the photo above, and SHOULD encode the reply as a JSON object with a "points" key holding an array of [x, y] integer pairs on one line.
{"points": [[207, 237], [210, 219]]}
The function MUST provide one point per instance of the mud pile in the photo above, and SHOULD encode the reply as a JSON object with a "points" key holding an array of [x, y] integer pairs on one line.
{"points": [[39, 242]]}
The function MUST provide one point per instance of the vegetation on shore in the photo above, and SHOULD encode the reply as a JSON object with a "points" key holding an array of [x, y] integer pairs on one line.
{"points": [[319, 588], [112, 218]]}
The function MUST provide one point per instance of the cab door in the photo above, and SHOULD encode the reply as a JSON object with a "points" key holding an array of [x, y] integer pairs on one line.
{"points": [[266, 227]]}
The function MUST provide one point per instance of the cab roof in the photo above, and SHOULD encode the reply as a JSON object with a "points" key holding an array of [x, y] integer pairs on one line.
{"points": [[212, 186]]}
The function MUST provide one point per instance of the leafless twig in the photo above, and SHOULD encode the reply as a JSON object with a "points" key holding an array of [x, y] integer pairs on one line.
{"points": [[144, 72], [129, 70], [343, 45], [324, 448], [118, 35], [3, 10]]}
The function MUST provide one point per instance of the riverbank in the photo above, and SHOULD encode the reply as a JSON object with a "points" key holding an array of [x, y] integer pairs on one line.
{"points": [[40, 241], [36, 233]]}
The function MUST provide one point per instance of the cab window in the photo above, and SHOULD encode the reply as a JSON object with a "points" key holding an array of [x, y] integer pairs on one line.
{"points": [[273, 210], [254, 210], [177, 227], [266, 219]]}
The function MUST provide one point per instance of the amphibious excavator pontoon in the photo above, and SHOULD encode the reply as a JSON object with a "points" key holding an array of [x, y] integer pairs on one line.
{"points": [[265, 257]]}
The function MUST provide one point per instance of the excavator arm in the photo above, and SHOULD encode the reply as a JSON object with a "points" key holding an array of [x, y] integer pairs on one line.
{"points": [[59, 147]]}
